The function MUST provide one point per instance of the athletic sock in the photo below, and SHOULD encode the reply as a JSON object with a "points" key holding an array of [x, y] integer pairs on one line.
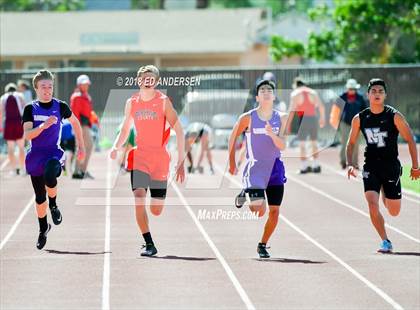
{"points": [[51, 201], [148, 238], [315, 163], [43, 224]]}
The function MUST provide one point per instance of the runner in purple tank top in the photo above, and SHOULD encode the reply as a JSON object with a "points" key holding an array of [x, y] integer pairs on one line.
{"points": [[42, 127], [264, 171]]}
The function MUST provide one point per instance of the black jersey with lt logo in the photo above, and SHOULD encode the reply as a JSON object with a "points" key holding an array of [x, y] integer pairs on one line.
{"points": [[381, 135]]}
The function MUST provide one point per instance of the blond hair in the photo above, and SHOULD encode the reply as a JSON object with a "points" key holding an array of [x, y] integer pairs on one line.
{"points": [[148, 68]]}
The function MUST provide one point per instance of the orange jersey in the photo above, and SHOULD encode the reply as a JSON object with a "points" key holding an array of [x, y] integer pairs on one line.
{"points": [[150, 121], [150, 155], [306, 106]]}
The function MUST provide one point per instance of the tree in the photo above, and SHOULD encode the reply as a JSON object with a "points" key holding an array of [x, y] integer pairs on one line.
{"points": [[148, 4], [232, 4], [41, 5], [277, 6], [283, 6], [365, 31]]}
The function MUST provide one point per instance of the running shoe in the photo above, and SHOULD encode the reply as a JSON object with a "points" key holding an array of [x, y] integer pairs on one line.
{"points": [[88, 175], [240, 199], [262, 250], [305, 170], [56, 215], [149, 250], [42, 238], [316, 169], [386, 247], [200, 169], [78, 175]]}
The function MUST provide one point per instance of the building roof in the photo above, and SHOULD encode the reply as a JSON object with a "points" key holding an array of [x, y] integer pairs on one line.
{"points": [[135, 31]]}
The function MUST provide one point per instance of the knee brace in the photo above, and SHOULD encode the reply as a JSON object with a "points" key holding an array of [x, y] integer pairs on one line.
{"points": [[39, 189], [52, 172]]}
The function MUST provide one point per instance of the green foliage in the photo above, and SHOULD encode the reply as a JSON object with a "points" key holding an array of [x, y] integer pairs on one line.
{"points": [[41, 5], [284, 6], [281, 48], [277, 6], [231, 4], [367, 31]]}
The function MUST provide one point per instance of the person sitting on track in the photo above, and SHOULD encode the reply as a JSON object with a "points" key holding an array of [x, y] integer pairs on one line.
{"points": [[45, 159]]}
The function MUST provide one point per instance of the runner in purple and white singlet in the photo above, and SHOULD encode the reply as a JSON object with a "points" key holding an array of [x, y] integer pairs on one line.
{"points": [[264, 172], [42, 120]]}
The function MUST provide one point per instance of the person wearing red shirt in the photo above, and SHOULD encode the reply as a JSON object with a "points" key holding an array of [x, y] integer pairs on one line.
{"points": [[81, 105]]}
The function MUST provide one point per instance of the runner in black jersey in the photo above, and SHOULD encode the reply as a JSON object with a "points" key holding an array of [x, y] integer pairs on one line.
{"points": [[380, 125]]}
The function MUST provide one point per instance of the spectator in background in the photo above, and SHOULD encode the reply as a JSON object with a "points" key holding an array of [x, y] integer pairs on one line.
{"points": [[306, 103], [351, 103], [25, 89], [12, 104], [81, 105]]}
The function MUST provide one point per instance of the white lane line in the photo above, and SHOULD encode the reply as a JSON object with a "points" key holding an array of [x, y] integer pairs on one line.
{"points": [[228, 270], [17, 222], [107, 245], [4, 164], [344, 204], [353, 271], [405, 191]]}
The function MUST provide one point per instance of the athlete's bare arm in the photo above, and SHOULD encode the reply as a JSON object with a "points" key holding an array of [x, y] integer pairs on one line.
{"points": [[354, 134], [278, 139], [405, 131], [29, 132], [172, 118], [292, 113], [241, 125], [125, 130], [321, 108], [79, 136]]}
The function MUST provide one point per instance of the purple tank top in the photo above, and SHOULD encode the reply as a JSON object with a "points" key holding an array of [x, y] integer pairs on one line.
{"points": [[50, 137], [260, 146]]}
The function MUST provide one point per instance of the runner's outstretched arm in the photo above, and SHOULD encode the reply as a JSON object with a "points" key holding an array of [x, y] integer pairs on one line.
{"points": [[79, 136], [172, 118], [241, 125], [29, 132], [279, 141], [125, 130], [354, 134]]}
